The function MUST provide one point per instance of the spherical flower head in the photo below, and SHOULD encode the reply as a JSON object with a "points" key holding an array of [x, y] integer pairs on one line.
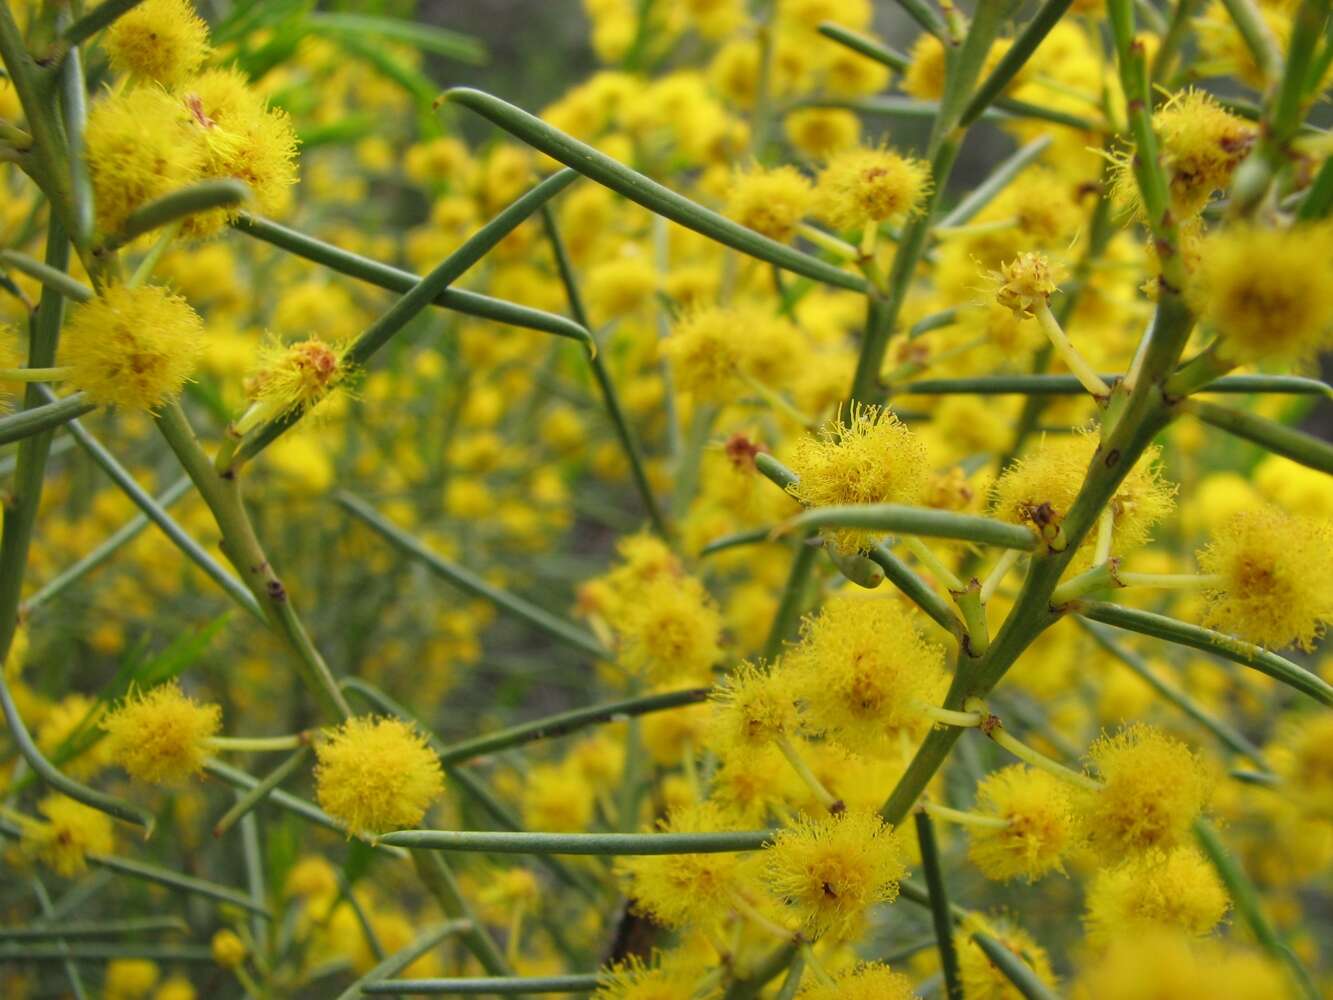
{"points": [[670, 980], [1179, 889], [242, 138], [557, 797], [1267, 292], [69, 834], [684, 890], [228, 949], [770, 201], [1200, 145], [1039, 488], [713, 351], [1274, 571], [139, 148], [1303, 756], [752, 706], [294, 377], [161, 736], [1153, 789], [862, 187], [1041, 829], [376, 774], [671, 633], [160, 40], [873, 459], [864, 672], [129, 979], [1173, 964], [924, 78], [830, 870], [984, 980], [867, 981], [1024, 284], [132, 347]]}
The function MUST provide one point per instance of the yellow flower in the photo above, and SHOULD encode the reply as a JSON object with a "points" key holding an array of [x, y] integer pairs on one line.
{"points": [[671, 632], [683, 890], [70, 833], [770, 201], [864, 673], [1274, 571], [982, 979], [1305, 761], [873, 459], [1154, 788], [139, 148], [633, 980], [831, 870], [1177, 889], [294, 378], [867, 981], [752, 706], [161, 736], [1267, 292], [160, 40], [242, 138], [132, 347], [820, 132], [129, 979], [1040, 826], [557, 798], [1024, 283], [228, 949], [715, 352], [863, 186], [375, 775], [1141, 966]]}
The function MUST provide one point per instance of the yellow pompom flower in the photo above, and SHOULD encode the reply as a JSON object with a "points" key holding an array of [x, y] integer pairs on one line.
{"points": [[1173, 964], [1267, 292], [228, 949], [376, 774], [684, 890], [132, 347], [865, 186], [1040, 828], [752, 705], [160, 40], [1024, 283], [70, 832], [633, 980], [770, 201], [671, 632], [820, 132], [129, 979], [1179, 888], [1303, 756], [294, 377], [241, 138], [830, 870], [139, 148], [984, 980], [1153, 789], [864, 672], [867, 981], [161, 735], [1039, 488], [873, 459], [1272, 572]]}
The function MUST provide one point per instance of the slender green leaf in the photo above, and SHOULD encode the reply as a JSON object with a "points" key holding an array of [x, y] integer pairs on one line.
{"points": [[620, 844], [36, 419], [1013, 967], [1271, 435], [502, 986], [922, 521]]}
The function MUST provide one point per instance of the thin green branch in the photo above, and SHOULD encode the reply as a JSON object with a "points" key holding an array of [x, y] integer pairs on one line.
{"points": [[1017, 971], [422, 294], [940, 916], [43, 417], [101, 16], [250, 798], [1015, 58], [565, 723], [50, 277], [158, 875], [646, 192], [871, 48], [48, 913], [620, 844], [397, 280], [1161, 627], [629, 442], [400, 960], [177, 206], [469, 582], [1068, 385], [794, 597], [1000, 178], [1268, 434], [925, 522]]}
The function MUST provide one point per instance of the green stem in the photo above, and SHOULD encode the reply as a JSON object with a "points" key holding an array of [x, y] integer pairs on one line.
{"points": [[50, 277], [1068, 385], [101, 16], [1017, 971], [177, 207], [469, 582], [262, 789], [381, 975], [48, 913], [439, 880], [793, 600], [564, 723], [629, 442], [1253, 30], [646, 192], [43, 418], [924, 522], [939, 906], [629, 844], [1161, 627], [1269, 434], [175, 880], [1015, 58], [221, 492], [1163, 63], [85, 929], [1223, 731], [864, 45], [504, 986], [998, 179], [1246, 898]]}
